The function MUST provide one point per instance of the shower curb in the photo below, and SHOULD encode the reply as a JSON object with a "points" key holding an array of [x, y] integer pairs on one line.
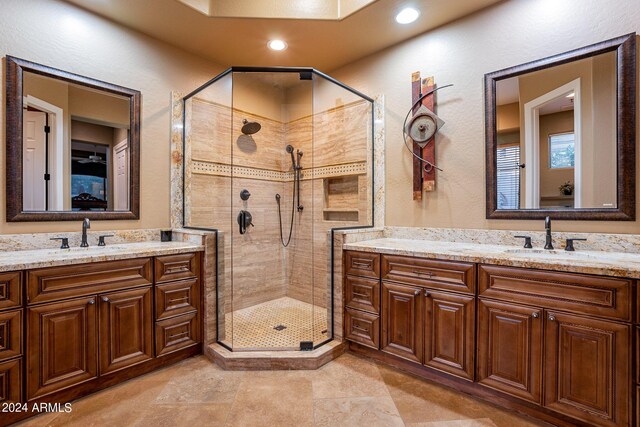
{"points": [[274, 360]]}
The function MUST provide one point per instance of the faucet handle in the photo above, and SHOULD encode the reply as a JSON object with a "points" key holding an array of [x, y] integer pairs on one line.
{"points": [[63, 240], [569, 246], [101, 239], [527, 241]]}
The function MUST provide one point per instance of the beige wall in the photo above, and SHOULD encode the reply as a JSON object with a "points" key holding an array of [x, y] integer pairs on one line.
{"points": [[101, 107], [508, 34], [508, 117], [602, 180], [54, 33]]}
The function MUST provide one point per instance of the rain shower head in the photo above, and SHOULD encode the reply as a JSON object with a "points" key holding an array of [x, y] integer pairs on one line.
{"points": [[249, 128]]}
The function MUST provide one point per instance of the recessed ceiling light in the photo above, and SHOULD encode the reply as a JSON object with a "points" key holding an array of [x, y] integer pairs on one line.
{"points": [[407, 15], [277, 45]]}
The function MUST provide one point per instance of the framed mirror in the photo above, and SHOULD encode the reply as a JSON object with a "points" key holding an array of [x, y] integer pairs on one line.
{"points": [[73, 146], [561, 135]]}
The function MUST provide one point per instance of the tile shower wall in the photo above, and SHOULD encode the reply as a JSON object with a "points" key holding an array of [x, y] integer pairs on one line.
{"points": [[258, 261], [342, 197], [335, 192]]}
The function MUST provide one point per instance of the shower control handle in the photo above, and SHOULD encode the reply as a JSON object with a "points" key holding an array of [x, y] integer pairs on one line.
{"points": [[244, 221]]}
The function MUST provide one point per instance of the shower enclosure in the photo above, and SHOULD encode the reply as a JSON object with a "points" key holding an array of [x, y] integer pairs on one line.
{"points": [[274, 159]]}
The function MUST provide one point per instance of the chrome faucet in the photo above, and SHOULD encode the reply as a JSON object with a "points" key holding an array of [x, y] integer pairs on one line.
{"points": [[547, 226], [85, 224]]}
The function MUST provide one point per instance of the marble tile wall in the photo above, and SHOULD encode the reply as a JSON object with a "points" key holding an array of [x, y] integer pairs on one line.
{"points": [[256, 257]]}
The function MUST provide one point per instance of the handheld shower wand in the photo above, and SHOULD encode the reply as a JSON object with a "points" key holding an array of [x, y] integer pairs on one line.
{"points": [[290, 151], [298, 172], [297, 168]]}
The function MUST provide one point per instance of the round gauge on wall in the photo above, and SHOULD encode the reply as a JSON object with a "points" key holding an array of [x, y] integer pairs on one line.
{"points": [[423, 125]]}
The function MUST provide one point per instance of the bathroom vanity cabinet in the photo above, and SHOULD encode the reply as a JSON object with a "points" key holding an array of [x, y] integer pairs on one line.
{"points": [[555, 345], [91, 326]]}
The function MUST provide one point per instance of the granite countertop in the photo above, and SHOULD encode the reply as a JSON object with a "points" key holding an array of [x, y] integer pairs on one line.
{"points": [[24, 260], [589, 262]]}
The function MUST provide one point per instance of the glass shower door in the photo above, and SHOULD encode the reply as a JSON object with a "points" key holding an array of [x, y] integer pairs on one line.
{"points": [[272, 211]]}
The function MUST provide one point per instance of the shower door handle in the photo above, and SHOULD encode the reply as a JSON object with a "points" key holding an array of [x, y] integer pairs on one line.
{"points": [[244, 221]]}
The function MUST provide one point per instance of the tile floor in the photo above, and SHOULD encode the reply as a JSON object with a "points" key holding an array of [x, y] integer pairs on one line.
{"points": [[252, 328], [349, 391]]}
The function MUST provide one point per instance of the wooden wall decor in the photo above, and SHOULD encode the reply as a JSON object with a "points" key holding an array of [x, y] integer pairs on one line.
{"points": [[424, 175], [417, 163], [429, 150]]}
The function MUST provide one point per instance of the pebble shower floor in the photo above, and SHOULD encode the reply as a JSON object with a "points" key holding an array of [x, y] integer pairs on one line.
{"points": [[254, 328]]}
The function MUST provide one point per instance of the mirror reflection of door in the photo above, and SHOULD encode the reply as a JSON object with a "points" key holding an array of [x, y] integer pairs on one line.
{"points": [[556, 137], [121, 175], [42, 149], [34, 160], [83, 162], [552, 139]]}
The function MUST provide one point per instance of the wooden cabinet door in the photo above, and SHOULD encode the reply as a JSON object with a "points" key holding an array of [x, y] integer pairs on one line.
{"points": [[587, 368], [402, 321], [510, 349], [126, 329], [449, 333], [10, 382], [61, 345]]}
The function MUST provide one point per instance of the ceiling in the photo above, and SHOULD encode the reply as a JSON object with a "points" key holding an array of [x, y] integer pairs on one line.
{"points": [[289, 9], [319, 43]]}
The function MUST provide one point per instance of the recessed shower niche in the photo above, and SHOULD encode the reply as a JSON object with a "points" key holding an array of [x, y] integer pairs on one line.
{"points": [[301, 144]]}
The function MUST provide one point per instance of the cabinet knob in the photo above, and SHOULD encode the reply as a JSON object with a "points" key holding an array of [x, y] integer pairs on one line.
{"points": [[92, 301], [105, 299], [551, 317], [426, 293], [535, 315], [416, 293]]}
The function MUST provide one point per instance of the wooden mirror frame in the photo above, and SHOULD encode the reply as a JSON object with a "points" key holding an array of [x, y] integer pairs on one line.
{"points": [[625, 48], [14, 102]]}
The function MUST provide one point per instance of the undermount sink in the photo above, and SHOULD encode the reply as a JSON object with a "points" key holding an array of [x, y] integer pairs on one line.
{"points": [[549, 252]]}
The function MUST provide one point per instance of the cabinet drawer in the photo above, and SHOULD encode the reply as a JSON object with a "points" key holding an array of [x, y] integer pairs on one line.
{"points": [[10, 334], [55, 283], [10, 290], [363, 328], [176, 298], [444, 275], [176, 267], [11, 381], [362, 294], [364, 264], [176, 333], [578, 293]]}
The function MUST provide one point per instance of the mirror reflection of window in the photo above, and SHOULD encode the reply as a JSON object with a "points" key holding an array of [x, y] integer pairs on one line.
{"points": [[509, 176], [562, 150]]}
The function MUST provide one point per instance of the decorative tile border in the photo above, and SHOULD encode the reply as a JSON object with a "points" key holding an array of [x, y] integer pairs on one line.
{"points": [[219, 169]]}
